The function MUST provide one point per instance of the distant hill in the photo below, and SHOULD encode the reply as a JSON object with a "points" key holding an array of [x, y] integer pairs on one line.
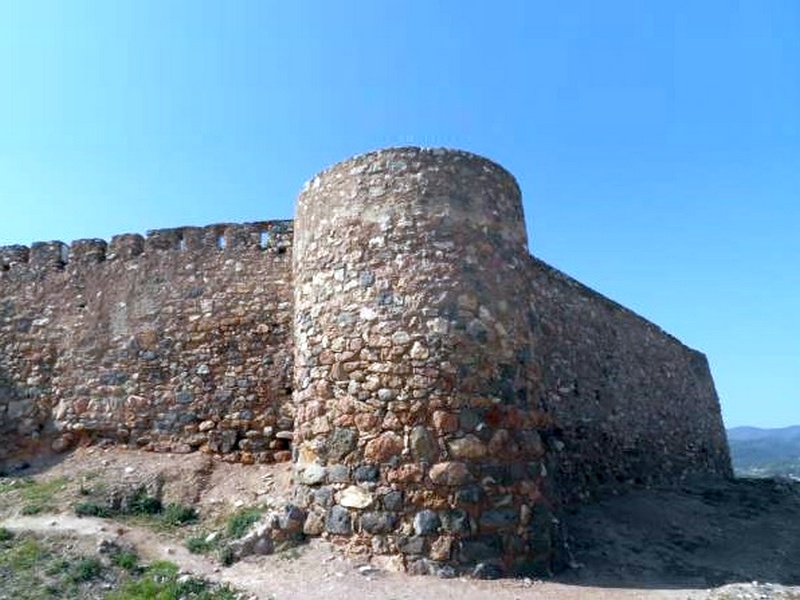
{"points": [[760, 452]]}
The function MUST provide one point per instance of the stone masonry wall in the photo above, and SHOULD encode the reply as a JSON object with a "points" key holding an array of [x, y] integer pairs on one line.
{"points": [[417, 431], [175, 342], [630, 403], [440, 391]]}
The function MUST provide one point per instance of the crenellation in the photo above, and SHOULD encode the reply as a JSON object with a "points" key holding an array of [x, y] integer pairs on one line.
{"points": [[163, 239], [11, 256], [126, 246], [440, 391], [48, 256], [87, 252]]}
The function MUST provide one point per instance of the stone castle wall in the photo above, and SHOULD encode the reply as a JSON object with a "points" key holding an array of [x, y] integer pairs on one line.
{"points": [[630, 403], [443, 391], [175, 342]]}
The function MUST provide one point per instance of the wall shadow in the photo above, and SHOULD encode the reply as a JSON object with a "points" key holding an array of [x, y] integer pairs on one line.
{"points": [[25, 432], [702, 534]]}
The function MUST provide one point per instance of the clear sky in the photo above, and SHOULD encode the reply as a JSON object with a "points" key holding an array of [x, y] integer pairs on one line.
{"points": [[657, 144]]}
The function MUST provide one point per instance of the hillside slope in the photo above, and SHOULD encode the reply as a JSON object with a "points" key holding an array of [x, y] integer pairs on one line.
{"points": [[765, 452]]}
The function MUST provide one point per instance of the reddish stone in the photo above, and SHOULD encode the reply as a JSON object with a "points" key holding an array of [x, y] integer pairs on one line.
{"points": [[283, 456], [367, 422], [408, 473], [383, 448], [445, 422]]}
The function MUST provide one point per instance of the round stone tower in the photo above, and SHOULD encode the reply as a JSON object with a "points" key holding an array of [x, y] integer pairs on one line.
{"points": [[416, 430]]}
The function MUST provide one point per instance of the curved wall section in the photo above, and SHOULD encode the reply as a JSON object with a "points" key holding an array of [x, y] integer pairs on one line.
{"points": [[416, 430]]}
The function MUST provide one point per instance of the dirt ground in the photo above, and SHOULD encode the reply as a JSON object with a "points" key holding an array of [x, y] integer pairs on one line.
{"points": [[705, 540]]}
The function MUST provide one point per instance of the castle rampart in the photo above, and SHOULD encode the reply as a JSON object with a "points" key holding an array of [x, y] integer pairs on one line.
{"points": [[177, 341], [440, 391]]}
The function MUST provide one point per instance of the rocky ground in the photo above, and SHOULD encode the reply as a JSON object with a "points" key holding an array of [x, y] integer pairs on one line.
{"points": [[705, 540]]}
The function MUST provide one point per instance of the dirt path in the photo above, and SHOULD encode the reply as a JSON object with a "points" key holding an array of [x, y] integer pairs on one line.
{"points": [[318, 572]]}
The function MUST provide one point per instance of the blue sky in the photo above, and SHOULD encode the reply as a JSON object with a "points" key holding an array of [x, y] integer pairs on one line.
{"points": [[657, 144]]}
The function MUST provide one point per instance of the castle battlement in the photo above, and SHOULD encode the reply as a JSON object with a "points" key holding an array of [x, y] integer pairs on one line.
{"points": [[57, 255]]}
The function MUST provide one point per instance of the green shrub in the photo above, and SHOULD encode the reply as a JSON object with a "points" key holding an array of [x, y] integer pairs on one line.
{"points": [[91, 509], [177, 514], [226, 556], [239, 522], [142, 504], [125, 560], [197, 544], [6, 534], [86, 569], [159, 581]]}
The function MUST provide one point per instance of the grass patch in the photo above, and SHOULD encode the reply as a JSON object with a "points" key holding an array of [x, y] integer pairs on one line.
{"points": [[142, 504], [147, 509], [177, 515], [24, 555], [199, 544], [34, 568], [233, 527], [86, 569], [36, 496], [91, 509], [126, 560], [161, 581]]}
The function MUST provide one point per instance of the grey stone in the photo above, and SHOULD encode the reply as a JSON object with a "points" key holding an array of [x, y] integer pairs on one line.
{"points": [[337, 520], [499, 518], [420, 566], [386, 395], [456, 521], [366, 278], [313, 474], [338, 473], [412, 545], [469, 419], [426, 522], [423, 445], [366, 473], [292, 518], [487, 570], [446, 572], [393, 501], [470, 494], [263, 546], [323, 496], [480, 549], [342, 442], [378, 522]]}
